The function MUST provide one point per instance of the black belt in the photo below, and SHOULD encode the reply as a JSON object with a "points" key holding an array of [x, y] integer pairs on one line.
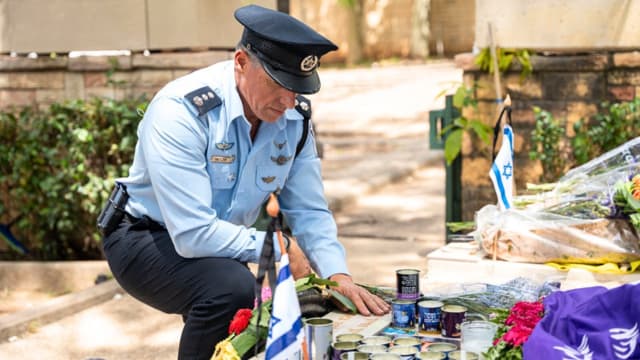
{"points": [[144, 222]]}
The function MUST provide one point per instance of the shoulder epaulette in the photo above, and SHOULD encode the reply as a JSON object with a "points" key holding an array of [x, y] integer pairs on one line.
{"points": [[303, 106], [204, 99]]}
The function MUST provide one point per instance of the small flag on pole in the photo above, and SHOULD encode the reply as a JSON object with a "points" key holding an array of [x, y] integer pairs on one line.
{"points": [[285, 327], [285, 340], [501, 172]]}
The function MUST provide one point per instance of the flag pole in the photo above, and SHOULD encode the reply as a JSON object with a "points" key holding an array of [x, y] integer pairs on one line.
{"points": [[506, 103], [273, 209]]}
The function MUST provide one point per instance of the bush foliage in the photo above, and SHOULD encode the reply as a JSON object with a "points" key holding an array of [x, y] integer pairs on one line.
{"points": [[612, 126], [57, 167]]}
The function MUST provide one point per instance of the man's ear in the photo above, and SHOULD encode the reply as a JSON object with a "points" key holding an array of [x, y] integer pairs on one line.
{"points": [[240, 59]]}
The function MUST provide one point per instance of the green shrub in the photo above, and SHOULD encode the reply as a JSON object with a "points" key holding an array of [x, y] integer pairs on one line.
{"points": [[612, 126], [57, 167]]}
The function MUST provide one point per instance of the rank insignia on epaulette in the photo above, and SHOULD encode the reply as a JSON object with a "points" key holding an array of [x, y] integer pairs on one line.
{"points": [[224, 145], [303, 105], [204, 99]]}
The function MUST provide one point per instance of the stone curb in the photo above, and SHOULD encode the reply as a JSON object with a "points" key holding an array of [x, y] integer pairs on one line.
{"points": [[23, 321]]}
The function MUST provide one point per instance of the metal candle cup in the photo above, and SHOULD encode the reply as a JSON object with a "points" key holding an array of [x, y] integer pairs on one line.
{"points": [[354, 355], [319, 334], [403, 314], [408, 283], [377, 340], [341, 347], [429, 312], [463, 355], [431, 355], [349, 337], [451, 320], [442, 347], [406, 352], [407, 341]]}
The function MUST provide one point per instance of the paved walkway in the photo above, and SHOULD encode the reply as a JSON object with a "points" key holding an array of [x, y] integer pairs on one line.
{"points": [[384, 184]]}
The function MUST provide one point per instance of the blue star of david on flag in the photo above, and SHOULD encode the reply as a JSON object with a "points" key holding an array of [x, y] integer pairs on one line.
{"points": [[272, 323], [507, 171]]}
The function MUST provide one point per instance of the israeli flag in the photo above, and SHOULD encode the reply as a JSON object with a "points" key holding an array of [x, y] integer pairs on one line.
{"points": [[285, 327], [502, 170]]}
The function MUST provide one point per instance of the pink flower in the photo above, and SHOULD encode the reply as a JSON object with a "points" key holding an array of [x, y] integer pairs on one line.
{"points": [[265, 295]]}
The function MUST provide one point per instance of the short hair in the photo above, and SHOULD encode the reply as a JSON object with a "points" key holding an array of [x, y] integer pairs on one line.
{"points": [[252, 56]]}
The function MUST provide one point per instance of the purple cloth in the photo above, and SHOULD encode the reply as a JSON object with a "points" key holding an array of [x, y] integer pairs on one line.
{"points": [[588, 324]]}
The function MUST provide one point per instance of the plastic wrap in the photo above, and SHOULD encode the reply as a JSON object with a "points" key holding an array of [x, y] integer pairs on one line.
{"points": [[584, 218]]}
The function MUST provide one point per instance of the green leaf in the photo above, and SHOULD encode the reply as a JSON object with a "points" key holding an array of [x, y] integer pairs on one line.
{"points": [[505, 62], [625, 190], [348, 304], [461, 226], [458, 97], [482, 130], [452, 145]]}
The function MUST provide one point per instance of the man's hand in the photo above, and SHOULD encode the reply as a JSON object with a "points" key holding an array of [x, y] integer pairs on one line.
{"points": [[365, 302], [298, 262]]}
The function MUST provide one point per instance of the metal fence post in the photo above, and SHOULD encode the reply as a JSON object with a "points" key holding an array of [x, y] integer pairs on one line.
{"points": [[439, 119]]}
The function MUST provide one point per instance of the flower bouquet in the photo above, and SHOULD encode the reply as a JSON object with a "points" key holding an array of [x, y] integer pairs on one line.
{"points": [[590, 216], [514, 329], [249, 328]]}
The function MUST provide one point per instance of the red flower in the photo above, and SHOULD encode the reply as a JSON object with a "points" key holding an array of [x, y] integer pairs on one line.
{"points": [[240, 321], [525, 313], [517, 335], [522, 318]]}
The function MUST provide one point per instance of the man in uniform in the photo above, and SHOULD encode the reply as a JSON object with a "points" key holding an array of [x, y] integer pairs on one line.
{"points": [[213, 145]]}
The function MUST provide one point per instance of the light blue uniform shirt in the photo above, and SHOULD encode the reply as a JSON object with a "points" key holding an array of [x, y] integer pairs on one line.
{"points": [[178, 179]]}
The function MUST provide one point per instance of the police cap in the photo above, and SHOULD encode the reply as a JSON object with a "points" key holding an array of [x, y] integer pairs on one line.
{"points": [[288, 49]]}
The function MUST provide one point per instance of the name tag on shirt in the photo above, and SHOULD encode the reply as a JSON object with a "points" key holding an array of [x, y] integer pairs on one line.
{"points": [[223, 159]]}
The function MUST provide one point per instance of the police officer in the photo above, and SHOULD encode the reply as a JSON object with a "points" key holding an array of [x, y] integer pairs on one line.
{"points": [[213, 145]]}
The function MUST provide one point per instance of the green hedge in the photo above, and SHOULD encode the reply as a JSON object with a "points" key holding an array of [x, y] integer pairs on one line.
{"points": [[612, 126], [57, 167]]}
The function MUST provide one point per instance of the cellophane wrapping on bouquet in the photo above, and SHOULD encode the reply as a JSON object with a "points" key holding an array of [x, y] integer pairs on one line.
{"points": [[590, 216]]}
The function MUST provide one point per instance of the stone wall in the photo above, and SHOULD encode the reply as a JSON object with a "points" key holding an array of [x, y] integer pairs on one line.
{"points": [[44, 80], [569, 86], [451, 24]]}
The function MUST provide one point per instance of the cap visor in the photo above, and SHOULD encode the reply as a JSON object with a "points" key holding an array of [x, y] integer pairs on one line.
{"points": [[298, 84]]}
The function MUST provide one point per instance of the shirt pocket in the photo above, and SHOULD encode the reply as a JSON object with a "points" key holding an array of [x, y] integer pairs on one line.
{"points": [[269, 178], [223, 176]]}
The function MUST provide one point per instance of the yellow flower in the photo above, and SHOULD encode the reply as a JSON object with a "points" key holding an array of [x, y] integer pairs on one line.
{"points": [[225, 350], [635, 187]]}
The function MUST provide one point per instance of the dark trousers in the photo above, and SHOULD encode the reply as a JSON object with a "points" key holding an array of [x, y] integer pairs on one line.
{"points": [[207, 292]]}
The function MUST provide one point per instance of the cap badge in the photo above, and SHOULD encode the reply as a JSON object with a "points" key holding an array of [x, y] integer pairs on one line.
{"points": [[309, 63]]}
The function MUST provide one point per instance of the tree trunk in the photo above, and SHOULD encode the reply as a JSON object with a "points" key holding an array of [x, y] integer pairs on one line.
{"points": [[355, 55]]}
